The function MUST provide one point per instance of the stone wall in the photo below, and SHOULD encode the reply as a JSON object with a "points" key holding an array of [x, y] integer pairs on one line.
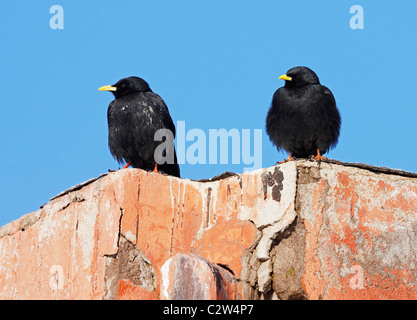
{"points": [[301, 230]]}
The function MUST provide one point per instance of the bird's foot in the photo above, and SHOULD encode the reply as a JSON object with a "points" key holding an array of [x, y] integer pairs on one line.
{"points": [[290, 158], [286, 160], [155, 170], [318, 157], [125, 166]]}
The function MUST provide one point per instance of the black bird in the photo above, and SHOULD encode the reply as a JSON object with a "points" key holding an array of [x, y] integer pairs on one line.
{"points": [[133, 118], [303, 118]]}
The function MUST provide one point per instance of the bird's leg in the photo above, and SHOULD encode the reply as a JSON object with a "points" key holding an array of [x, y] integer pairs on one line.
{"points": [[156, 168], [290, 158], [319, 157], [126, 165]]}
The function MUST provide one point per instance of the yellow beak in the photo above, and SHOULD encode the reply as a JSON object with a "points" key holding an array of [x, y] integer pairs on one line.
{"points": [[285, 77], [107, 88]]}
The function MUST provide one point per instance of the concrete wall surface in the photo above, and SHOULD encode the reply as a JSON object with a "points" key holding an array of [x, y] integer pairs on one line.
{"points": [[301, 230]]}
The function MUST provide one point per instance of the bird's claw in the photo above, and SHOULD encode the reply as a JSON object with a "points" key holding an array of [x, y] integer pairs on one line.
{"points": [[319, 157], [290, 158], [286, 160], [125, 166]]}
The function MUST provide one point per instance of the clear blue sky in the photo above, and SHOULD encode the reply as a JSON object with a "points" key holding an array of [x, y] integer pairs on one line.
{"points": [[216, 64]]}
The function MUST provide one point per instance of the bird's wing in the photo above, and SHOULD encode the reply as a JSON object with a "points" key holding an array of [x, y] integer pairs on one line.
{"points": [[149, 114], [116, 150], [109, 110], [327, 92], [162, 110], [331, 115]]}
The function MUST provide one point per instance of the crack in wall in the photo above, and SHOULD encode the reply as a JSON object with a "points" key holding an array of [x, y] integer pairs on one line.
{"points": [[120, 226], [279, 277], [277, 274], [128, 263], [208, 206]]}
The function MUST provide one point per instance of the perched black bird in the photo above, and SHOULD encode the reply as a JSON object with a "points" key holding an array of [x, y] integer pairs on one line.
{"points": [[303, 118], [133, 118]]}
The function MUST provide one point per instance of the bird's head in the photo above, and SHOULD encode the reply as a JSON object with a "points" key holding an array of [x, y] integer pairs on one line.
{"points": [[299, 77], [126, 86]]}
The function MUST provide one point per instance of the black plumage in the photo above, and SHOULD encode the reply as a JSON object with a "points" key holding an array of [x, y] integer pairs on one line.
{"points": [[133, 118], [303, 118]]}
